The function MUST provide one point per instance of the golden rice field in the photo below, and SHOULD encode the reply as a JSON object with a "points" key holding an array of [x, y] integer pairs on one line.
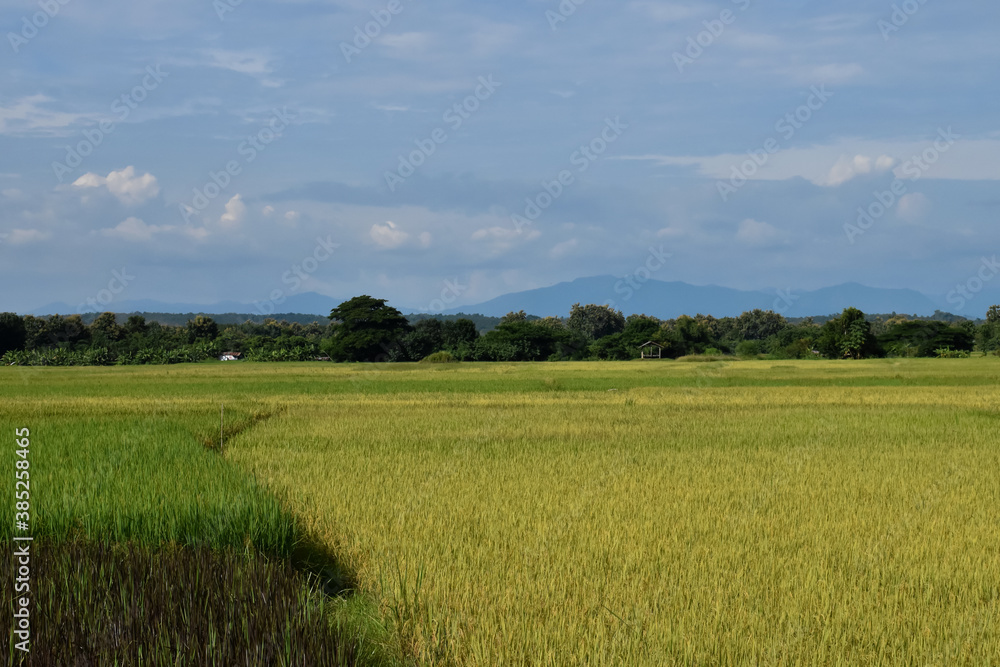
{"points": [[845, 515], [657, 513]]}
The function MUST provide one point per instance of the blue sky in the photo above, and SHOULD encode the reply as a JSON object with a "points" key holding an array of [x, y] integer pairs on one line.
{"points": [[238, 150]]}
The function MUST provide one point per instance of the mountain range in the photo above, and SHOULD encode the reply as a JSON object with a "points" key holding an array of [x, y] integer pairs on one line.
{"points": [[653, 297], [672, 299]]}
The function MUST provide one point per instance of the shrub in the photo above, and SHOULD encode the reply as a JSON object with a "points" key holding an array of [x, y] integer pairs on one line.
{"points": [[439, 358], [701, 357]]}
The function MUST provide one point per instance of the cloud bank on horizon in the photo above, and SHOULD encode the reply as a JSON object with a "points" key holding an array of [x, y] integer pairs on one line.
{"points": [[216, 147]]}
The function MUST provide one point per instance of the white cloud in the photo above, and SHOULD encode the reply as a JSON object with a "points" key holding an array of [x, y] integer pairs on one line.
{"points": [[753, 232], [670, 233], [847, 168], [884, 163], [134, 229], [912, 206], [236, 212], [128, 188], [22, 236], [267, 211], [197, 233], [388, 235], [27, 116], [504, 234], [563, 249], [244, 62], [257, 64], [971, 159], [290, 219]]}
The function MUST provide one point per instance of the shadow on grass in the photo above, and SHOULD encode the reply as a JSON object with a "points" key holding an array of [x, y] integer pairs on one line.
{"points": [[234, 579], [97, 604]]}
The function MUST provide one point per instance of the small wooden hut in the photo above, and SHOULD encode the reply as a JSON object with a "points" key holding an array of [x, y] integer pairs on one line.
{"points": [[651, 350]]}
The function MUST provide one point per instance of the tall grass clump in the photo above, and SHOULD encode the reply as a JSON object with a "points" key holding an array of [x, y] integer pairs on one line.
{"points": [[444, 357]]}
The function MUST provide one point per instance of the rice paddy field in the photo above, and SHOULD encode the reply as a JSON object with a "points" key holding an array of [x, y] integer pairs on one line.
{"points": [[635, 513]]}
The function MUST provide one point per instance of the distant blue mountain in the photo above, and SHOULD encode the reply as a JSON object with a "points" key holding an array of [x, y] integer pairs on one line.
{"points": [[308, 303], [672, 299], [654, 297], [829, 300]]}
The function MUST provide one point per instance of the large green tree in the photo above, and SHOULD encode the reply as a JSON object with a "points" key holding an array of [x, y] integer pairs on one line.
{"points": [[693, 336], [924, 339], [460, 337], [136, 324], [366, 330], [849, 336], [202, 328], [625, 345], [104, 329], [425, 338], [595, 322], [519, 316], [758, 324], [529, 341], [12, 333], [58, 331]]}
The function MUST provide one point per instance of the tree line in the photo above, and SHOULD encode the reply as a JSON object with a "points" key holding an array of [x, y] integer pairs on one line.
{"points": [[367, 329]]}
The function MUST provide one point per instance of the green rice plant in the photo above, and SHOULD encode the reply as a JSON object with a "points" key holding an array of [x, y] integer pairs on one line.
{"points": [[134, 472], [124, 482]]}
